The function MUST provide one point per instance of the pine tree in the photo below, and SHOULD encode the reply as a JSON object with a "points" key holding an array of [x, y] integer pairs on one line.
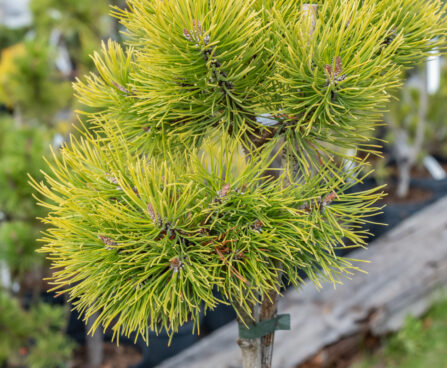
{"points": [[215, 159]]}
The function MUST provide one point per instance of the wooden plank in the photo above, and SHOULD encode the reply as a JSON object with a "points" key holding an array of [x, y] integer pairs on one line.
{"points": [[406, 267]]}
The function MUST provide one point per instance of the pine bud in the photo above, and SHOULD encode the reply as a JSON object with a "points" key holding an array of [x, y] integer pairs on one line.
{"points": [[154, 217], [175, 264], [257, 226], [108, 242], [329, 198], [224, 191]]}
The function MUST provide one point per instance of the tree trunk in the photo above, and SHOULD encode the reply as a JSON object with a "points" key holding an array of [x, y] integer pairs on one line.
{"points": [[403, 185], [407, 154], [258, 353], [250, 348], [268, 311]]}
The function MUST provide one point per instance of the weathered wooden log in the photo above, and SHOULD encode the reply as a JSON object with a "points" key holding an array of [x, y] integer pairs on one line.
{"points": [[406, 268]]}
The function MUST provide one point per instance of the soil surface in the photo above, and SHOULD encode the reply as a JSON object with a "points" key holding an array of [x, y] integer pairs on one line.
{"points": [[415, 195]]}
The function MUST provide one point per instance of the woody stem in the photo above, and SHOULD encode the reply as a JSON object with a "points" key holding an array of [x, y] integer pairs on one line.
{"points": [[250, 348], [258, 353], [268, 311]]}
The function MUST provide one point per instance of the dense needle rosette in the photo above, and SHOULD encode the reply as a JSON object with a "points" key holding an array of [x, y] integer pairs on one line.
{"points": [[146, 241]]}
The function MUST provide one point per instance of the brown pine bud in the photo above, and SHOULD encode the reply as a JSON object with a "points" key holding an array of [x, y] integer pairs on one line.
{"points": [[108, 242], [329, 198], [175, 264], [257, 226], [154, 217], [224, 191]]}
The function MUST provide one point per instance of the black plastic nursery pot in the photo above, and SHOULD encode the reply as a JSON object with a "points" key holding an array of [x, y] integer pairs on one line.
{"points": [[158, 349], [394, 213]]}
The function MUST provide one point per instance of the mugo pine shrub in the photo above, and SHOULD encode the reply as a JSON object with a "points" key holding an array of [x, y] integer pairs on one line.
{"points": [[214, 159]]}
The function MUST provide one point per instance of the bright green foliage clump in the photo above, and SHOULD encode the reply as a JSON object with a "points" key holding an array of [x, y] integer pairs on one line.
{"points": [[34, 338], [163, 234], [34, 86], [62, 33], [148, 216]]}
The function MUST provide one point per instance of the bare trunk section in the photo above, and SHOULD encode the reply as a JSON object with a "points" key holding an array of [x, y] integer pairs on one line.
{"points": [[258, 353], [250, 353], [250, 348], [268, 311]]}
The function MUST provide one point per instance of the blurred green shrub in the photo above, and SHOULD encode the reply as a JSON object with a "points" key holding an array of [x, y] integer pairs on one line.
{"points": [[10, 36], [33, 84], [21, 151], [420, 343], [82, 24], [18, 247], [33, 338]]}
